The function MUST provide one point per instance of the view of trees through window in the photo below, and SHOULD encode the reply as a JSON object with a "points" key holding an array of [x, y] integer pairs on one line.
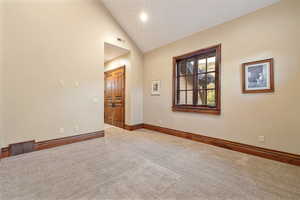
{"points": [[196, 80], [202, 80]]}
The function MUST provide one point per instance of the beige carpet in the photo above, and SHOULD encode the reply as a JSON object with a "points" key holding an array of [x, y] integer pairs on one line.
{"points": [[145, 165]]}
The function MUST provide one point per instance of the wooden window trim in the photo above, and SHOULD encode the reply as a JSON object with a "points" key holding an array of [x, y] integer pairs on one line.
{"points": [[199, 109]]}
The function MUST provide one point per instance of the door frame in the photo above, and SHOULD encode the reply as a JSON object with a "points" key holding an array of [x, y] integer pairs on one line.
{"points": [[124, 91]]}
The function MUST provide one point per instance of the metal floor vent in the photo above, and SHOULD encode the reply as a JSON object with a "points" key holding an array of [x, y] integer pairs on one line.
{"points": [[20, 148]]}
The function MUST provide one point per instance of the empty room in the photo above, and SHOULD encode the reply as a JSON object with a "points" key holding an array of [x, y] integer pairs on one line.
{"points": [[149, 100]]}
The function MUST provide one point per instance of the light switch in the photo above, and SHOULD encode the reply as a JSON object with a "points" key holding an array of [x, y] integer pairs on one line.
{"points": [[62, 83], [77, 84], [95, 100]]}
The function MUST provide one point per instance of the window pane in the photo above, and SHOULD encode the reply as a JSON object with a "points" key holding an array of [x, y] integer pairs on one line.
{"points": [[182, 83], [181, 68], [201, 97], [189, 98], [182, 97], [211, 64], [201, 81], [211, 98], [211, 80], [202, 65], [197, 80], [190, 82], [190, 67]]}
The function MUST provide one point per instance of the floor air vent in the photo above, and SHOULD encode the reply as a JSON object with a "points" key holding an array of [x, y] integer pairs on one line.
{"points": [[20, 148]]}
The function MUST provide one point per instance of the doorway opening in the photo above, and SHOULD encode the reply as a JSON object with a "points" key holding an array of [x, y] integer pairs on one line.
{"points": [[116, 61]]}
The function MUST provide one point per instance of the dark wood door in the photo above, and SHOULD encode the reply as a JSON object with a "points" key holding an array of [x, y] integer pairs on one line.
{"points": [[114, 97]]}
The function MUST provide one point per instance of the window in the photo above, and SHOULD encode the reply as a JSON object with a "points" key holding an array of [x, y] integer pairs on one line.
{"points": [[196, 81]]}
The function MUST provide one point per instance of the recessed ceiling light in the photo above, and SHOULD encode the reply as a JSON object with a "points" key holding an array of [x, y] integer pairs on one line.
{"points": [[144, 17]]}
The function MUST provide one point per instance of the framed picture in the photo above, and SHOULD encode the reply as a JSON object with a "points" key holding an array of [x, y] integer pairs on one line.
{"points": [[258, 77], [155, 88]]}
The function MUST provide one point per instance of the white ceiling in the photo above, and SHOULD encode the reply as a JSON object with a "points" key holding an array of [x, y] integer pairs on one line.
{"points": [[111, 52], [170, 20]]}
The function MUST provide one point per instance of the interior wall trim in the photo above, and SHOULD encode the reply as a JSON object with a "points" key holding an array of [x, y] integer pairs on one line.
{"points": [[280, 156], [5, 152], [133, 127]]}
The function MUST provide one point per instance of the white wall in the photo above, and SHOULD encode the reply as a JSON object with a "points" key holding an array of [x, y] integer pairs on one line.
{"points": [[1, 75], [118, 62], [47, 41], [270, 32]]}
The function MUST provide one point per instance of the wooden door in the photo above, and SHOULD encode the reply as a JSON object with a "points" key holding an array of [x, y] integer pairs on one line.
{"points": [[114, 97]]}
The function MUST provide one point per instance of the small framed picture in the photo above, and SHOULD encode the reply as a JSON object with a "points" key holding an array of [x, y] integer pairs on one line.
{"points": [[258, 76], [155, 88]]}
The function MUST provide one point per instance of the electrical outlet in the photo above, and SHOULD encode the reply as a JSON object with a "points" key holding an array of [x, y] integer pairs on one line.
{"points": [[261, 139], [77, 84], [61, 130], [76, 128]]}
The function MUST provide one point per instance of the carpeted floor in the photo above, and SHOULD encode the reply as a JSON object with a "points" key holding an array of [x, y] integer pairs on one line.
{"points": [[145, 165]]}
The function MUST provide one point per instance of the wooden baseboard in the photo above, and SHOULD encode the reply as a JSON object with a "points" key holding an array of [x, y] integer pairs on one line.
{"points": [[5, 152], [243, 148], [284, 157], [133, 127]]}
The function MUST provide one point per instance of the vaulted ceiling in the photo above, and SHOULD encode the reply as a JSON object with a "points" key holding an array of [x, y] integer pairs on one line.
{"points": [[170, 20]]}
